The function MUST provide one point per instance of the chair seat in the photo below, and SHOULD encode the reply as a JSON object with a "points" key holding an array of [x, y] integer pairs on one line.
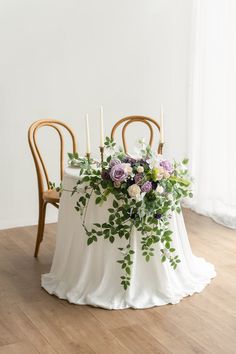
{"points": [[51, 196]]}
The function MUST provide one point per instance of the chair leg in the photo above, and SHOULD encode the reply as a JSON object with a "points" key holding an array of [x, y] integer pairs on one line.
{"points": [[41, 223]]}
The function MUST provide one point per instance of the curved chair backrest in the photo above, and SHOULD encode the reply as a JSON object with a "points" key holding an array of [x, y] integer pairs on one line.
{"points": [[41, 170], [150, 122]]}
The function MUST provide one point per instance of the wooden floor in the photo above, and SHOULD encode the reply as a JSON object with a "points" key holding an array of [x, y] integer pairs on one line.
{"points": [[31, 321]]}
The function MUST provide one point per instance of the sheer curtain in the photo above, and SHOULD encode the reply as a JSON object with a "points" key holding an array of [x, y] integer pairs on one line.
{"points": [[212, 109]]}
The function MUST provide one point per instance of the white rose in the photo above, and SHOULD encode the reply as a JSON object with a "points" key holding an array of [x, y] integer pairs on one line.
{"points": [[140, 169], [134, 191], [128, 168], [160, 189]]}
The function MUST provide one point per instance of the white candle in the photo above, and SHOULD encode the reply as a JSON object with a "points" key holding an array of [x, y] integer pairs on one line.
{"points": [[88, 149], [162, 139], [101, 128]]}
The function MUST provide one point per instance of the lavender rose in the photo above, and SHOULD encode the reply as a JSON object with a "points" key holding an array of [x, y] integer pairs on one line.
{"points": [[118, 173], [114, 162], [167, 165], [138, 178], [146, 187]]}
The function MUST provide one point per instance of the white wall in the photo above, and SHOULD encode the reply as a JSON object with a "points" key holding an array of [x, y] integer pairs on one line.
{"points": [[62, 58]]}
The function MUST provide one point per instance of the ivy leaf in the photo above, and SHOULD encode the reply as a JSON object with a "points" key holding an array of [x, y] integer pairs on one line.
{"points": [[70, 155], [111, 239], [167, 245], [127, 269], [167, 233], [89, 241], [98, 200], [115, 204], [111, 218], [96, 224]]}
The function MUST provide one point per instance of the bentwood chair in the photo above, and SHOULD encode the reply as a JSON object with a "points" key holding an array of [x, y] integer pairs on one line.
{"points": [[126, 121], [45, 193]]}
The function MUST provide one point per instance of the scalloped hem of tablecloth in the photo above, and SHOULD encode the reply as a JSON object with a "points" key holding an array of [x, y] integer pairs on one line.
{"points": [[54, 287]]}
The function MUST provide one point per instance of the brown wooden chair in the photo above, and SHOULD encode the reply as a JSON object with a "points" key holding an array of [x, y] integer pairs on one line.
{"points": [[126, 121], [45, 194]]}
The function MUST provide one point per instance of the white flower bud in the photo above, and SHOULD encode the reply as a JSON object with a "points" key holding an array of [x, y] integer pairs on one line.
{"points": [[140, 169]]}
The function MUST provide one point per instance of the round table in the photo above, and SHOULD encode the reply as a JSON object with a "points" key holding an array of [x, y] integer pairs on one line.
{"points": [[90, 275]]}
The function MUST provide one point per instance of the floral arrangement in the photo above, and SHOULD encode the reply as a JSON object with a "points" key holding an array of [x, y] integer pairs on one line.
{"points": [[145, 190]]}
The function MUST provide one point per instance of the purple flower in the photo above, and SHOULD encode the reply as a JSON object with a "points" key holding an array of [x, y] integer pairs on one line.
{"points": [[138, 178], [105, 175], [114, 162], [158, 216], [146, 187], [130, 160], [167, 165], [118, 173], [143, 162]]}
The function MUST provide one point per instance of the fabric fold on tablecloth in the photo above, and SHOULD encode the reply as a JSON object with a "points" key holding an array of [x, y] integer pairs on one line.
{"points": [[90, 275]]}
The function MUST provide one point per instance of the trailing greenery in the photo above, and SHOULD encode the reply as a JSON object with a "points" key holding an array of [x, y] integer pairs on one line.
{"points": [[145, 192]]}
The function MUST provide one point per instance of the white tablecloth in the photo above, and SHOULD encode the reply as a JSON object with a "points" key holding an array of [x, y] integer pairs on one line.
{"points": [[90, 274]]}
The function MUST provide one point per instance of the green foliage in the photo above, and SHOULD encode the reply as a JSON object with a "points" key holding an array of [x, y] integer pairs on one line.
{"points": [[109, 142], [52, 185], [150, 215]]}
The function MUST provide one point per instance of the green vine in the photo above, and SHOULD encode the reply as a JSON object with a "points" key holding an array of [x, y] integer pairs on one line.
{"points": [[150, 215]]}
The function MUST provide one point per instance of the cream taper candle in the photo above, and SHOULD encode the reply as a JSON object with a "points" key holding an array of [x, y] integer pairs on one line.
{"points": [[101, 128], [88, 148]]}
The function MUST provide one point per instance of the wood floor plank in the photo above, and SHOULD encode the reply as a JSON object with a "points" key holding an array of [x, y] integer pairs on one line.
{"points": [[138, 340], [52, 326], [20, 326], [18, 348], [168, 334], [32, 321]]}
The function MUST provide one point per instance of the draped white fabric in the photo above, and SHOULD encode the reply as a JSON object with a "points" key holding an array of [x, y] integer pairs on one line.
{"points": [[90, 274], [212, 109]]}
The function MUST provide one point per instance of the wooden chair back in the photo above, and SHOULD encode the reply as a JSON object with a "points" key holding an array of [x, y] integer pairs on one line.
{"points": [[150, 123], [42, 173]]}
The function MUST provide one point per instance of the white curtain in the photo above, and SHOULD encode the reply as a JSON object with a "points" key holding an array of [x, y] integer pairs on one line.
{"points": [[212, 109]]}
